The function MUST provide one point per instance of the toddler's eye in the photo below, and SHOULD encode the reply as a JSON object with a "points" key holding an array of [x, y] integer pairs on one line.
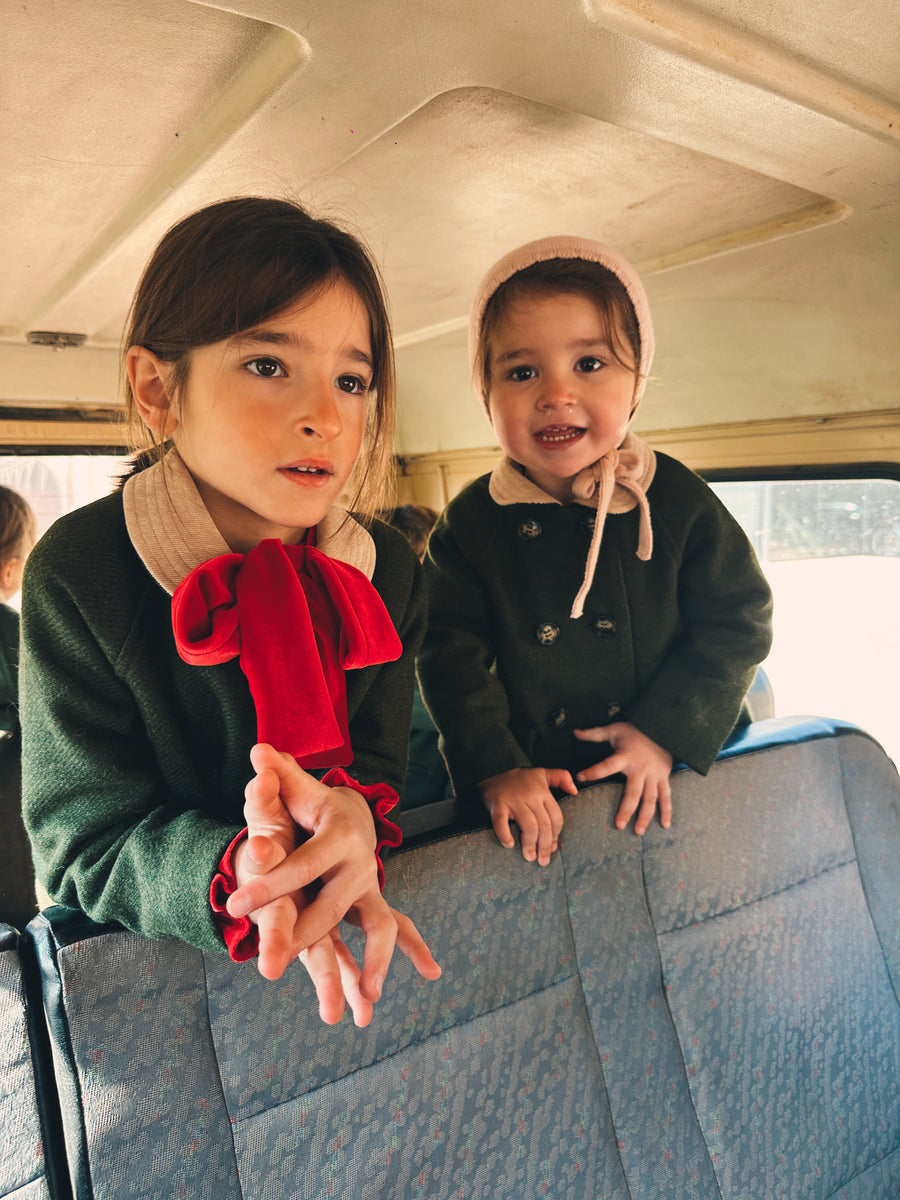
{"points": [[590, 362], [354, 384], [521, 374], [266, 368]]}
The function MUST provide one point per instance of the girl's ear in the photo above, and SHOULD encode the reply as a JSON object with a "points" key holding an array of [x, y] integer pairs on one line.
{"points": [[149, 378]]}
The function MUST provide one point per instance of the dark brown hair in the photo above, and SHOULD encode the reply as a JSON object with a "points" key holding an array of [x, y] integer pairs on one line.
{"points": [[575, 276], [18, 525], [415, 522], [235, 264]]}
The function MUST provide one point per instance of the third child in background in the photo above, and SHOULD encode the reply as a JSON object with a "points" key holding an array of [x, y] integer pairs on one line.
{"points": [[593, 608]]}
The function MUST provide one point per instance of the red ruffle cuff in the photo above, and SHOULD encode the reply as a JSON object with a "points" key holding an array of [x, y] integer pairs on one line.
{"points": [[240, 933]]}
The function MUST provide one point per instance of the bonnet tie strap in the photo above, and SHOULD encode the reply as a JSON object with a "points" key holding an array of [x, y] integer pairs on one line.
{"points": [[618, 467], [297, 619]]}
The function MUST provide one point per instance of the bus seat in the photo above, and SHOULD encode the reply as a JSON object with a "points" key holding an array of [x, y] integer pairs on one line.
{"points": [[707, 1011], [761, 697], [22, 1145]]}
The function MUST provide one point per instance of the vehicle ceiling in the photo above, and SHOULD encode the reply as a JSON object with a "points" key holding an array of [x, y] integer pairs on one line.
{"points": [[745, 157]]}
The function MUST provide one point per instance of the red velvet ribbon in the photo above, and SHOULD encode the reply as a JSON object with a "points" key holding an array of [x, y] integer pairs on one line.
{"points": [[298, 619]]}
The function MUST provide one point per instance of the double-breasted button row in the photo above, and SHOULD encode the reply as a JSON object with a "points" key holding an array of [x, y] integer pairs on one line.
{"points": [[558, 718], [547, 634]]}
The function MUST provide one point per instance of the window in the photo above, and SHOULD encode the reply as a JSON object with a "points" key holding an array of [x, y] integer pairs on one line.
{"points": [[831, 550]]}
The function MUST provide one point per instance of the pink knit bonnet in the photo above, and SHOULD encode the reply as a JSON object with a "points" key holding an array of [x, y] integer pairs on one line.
{"points": [[564, 247]]}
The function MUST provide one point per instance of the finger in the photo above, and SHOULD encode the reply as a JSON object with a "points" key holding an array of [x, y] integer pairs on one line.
{"points": [[500, 822], [631, 798], [321, 963], [264, 812], [275, 924], [665, 804], [301, 793], [262, 854], [411, 943], [378, 924], [613, 765], [558, 778], [529, 829], [600, 733], [360, 1006], [647, 809], [549, 827]]}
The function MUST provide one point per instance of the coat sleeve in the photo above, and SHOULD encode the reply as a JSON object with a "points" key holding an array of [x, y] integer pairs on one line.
{"points": [[467, 701], [695, 698], [107, 836]]}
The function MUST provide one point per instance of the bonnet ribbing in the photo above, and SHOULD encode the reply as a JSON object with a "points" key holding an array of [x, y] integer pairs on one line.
{"points": [[625, 472]]}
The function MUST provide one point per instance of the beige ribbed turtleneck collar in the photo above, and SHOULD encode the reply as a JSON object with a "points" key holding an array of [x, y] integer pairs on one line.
{"points": [[172, 531]]}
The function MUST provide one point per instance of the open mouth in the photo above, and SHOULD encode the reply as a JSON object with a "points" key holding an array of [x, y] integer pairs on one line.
{"points": [[556, 435], [307, 470]]}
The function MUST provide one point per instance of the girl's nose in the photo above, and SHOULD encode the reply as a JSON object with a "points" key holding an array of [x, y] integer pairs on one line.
{"points": [[318, 414], [556, 393]]}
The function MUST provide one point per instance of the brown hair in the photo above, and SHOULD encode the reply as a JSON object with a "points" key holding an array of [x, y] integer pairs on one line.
{"points": [[235, 264], [576, 276], [18, 525], [415, 522]]}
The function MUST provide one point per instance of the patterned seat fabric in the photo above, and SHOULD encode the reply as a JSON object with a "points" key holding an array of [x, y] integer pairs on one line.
{"points": [[22, 1167], [708, 1012]]}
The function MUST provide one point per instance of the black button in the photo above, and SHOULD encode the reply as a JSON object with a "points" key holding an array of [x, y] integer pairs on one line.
{"points": [[558, 718], [604, 627], [613, 710], [588, 521], [530, 529], [547, 633]]}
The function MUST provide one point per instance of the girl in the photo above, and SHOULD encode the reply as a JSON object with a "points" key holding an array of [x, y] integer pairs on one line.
{"points": [[551, 627], [222, 599], [18, 532]]}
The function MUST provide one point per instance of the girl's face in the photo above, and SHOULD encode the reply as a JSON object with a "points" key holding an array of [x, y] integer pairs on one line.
{"points": [[270, 422], [559, 398]]}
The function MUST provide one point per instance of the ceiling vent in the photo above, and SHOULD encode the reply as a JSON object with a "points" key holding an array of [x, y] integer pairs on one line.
{"points": [[59, 341]]}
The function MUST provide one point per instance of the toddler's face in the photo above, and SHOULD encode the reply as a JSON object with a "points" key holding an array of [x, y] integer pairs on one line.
{"points": [[559, 398]]}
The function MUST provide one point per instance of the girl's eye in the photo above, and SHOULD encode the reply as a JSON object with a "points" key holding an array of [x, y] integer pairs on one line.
{"points": [[265, 368], [354, 384], [521, 374], [590, 362]]}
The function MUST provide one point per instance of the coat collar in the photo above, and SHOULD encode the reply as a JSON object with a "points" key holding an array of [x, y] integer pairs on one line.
{"points": [[172, 531], [508, 484]]}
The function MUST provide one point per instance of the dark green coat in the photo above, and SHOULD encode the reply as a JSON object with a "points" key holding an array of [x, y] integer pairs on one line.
{"points": [[134, 762], [670, 645]]}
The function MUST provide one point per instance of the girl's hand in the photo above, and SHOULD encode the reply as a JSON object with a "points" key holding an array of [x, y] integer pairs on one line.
{"points": [[523, 795], [340, 855], [646, 767]]}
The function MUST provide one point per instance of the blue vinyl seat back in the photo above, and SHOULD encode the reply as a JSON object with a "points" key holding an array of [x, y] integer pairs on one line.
{"points": [[22, 1167], [708, 1013]]}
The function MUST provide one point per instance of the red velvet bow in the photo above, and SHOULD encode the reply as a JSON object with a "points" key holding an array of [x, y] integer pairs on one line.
{"points": [[298, 619]]}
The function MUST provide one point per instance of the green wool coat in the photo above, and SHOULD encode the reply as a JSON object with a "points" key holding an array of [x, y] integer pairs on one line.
{"points": [[670, 645], [134, 762]]}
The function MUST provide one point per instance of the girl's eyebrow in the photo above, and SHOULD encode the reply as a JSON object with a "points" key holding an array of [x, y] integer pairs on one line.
{"points": [[275, 337], [579, 344]]}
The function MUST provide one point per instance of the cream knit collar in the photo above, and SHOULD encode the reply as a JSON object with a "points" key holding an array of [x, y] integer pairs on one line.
{"points": [[616, 483], [172, 531]]}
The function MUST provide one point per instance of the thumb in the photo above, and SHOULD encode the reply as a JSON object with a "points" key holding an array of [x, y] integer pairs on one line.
{"points": [[558, 778]]}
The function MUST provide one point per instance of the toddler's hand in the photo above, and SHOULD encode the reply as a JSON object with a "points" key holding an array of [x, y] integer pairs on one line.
{"points": [[646, 767], [523, 795]]}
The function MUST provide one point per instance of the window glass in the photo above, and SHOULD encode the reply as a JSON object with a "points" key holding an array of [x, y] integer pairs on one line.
{"points": [[54, 484], [831, 551]]}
